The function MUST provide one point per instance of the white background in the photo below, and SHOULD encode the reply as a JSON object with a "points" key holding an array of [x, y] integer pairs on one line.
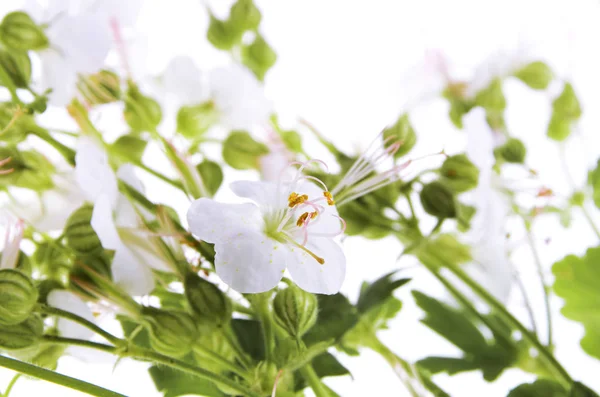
{"points": [[349, 67]]}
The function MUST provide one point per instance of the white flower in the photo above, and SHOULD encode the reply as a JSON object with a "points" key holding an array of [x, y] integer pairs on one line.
{"points": [[115, 220], [185, 80], [70, 302], [239, 97], [290, 225], [487, 236], [12, 245]]}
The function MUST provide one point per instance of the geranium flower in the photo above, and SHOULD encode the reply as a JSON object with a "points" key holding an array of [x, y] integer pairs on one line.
{"points": [[12, 245], [115, 220]]}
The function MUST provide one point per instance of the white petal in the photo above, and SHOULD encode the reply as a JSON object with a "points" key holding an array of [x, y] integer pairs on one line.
{"points": [[183, 79], [92, 171], [265, 194], [328, 221], [130, 274], [127, 174], [273, 166], [313, 277], [70, 302], [213, 222], [104, 224], [124, 12], [58, 75], [250, 262]]}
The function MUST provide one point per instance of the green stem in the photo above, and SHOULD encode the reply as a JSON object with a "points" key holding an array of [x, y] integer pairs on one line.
{"points": [[239, 352], [313, 380], [142, 354], [217, 358], [590, 220], [410, 205], [65, 151], [10, 85], [11, 385], [53, 311], [543, 281], [55, 377], [160, 176], [545, 354], [264, 313]]}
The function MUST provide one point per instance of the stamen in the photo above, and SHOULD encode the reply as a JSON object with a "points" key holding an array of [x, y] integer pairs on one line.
{"points": [[304, 218], [3, 162], [329, 198], [309, 252], [295, 199]]}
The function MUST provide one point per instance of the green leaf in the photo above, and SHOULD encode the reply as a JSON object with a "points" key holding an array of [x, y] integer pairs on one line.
{"points": [[129, 148], [241, 152], [577, 281], [449, 365], [377, 292], [594, 181], [401, 132], [536, 75], [465, 215], [141, 339], [336, 316], [445, 250], [193, 121], [259, 57], [249, 334], [565, 111], [539, 388], [292, 140], [212, 175], [173, 383], [244, 15], [559, 127], [492, 97], [223, 34], [325, 365], [580, 390], [30, 170]]}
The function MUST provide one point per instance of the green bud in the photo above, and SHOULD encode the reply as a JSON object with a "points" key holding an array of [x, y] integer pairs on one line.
{"points": [[207, 301], [215, 341], [23, 335], [559, 127], [577, 199], [242, 152], [18, 296], [14, 124], [567, 103], [438, 200], [295, 310], [79, 234], [142, 113], [492, 97], [171, 332], [223, 34], [100, 88], [30, 169], [193, 121], [18, 31], [244, 15], [536, 75], [259, 57], [513, 151], [129, 148], [402, 132], [211, 174], [17, 65], [459, 173], [265, 375]]}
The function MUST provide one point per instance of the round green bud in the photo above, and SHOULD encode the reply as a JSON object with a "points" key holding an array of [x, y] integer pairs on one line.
{"points": [[403, 133], [492, 97], [193, 121], [24, 335], [459, 173], [244, 15], [79, 234], [438, 200], [100, 88], [242, 152], [536, 75], [20, 32], [577, 199], [513, 151], [18, 67], [18, 296], [207, 301], [141, 113], [295, 310], [265, 375], [171, 332]]}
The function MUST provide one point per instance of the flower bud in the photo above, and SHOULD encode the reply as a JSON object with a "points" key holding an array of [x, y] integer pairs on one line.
{"points": [[492, 97], [79, 234], [459, 173], [259, 57], [295, 310], [403, 133], [244, 15], [18, 31], [100, 88], [171, 332], [141, 113], [18, 296], [438, 200], [30, 169], [265, 375], [194, 121], [513, 151], [536, 75], [18, 67], [24, 335], [207, 301], [242, 152]]}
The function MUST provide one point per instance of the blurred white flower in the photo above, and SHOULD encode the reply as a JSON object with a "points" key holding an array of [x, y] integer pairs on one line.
{"points": [[184, 79], [12, 244], [273, 166], [487, 237], [115, 220], [290, 225]]}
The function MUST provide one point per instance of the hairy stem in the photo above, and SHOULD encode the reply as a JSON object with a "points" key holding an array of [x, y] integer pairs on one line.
{"points": [[313, 380]]}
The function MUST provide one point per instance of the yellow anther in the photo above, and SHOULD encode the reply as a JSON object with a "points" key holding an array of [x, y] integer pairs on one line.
{"points": [[294, 199], [329, 198], [302, 218]]}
